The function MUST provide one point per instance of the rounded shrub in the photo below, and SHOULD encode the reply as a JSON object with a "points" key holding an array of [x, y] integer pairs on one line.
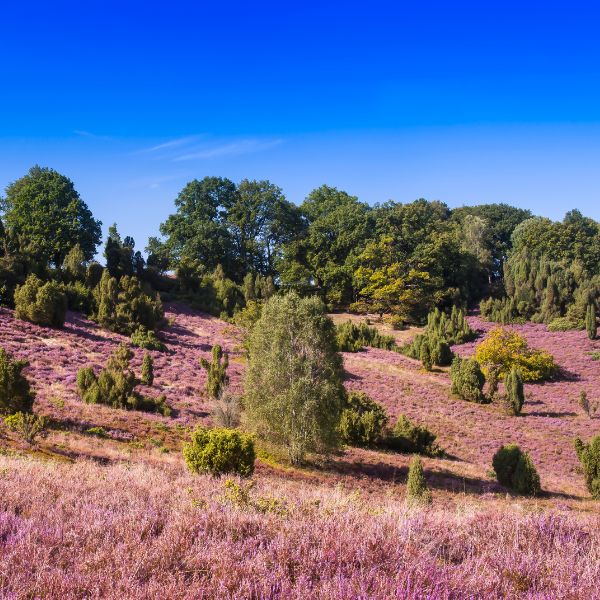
{"points": [[363, 421], [409, 438], [41, 303], [589, 457], [515, 470], [217, 451], [467, 379]]}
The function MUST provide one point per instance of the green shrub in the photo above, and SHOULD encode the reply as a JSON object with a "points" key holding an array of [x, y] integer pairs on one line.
{"points": [[41, 303], [79, 297], [363, 421], [216, 371], [515, 470], [591, 325], [515, 394], [218, 451], [115, 386], [15, 392], [397, 322], [97, 431], [147, 369], [563, 324], [503, 311], [417, 491], [589, 457], [413, 439], [145, 338], [467, 380], [27, 425], [351, 337], [425, 355]]}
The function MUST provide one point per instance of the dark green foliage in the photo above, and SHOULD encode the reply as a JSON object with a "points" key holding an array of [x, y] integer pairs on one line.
{"points": [[500, 310], [120, 256], [123, 305], [41, 303], [44, 208], [352, 338], [146, 338], [363, 421], [515, 470], [413, 439], [219, 451], [591, 325], [80, 298], [416, 486], [293, 388], [515, 395], [467, 379], [147, 377], [115, 386], [425, 355], [589, 457], [15, 392], [216, 371]]}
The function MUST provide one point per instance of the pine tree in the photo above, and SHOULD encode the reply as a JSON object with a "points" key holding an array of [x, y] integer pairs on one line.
{"points": [[416, 486], [216, 369], [425, 355], [147, 369]]}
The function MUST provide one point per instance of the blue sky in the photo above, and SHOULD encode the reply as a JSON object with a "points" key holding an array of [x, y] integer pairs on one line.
{"points": [[466, 102]]}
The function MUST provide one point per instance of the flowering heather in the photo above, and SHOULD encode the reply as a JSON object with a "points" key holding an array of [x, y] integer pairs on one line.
{"points": [[132, 531]]}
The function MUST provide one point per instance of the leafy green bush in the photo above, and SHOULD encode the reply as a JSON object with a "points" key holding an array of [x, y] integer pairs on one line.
{"points": [[589, 457], [351, 337], [413, 439], [515, 470], [417, 491], [363, 421], [26, 425], [425, 355], [79, 297], [41, 303], [15, 392], [145, 338], [500, 310], [397, 322], [467, 380], [218, 451]]}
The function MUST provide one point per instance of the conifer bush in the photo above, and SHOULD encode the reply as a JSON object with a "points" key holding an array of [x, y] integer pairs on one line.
{"points": [[216, 370], [412, 439], [41, 303], [417, 491], [15, 392], [515, 470], [425, 355], [363, 421], [145, 338], [515, 396], [589, 457], [351, 337], [591, 325], [467, 380], [147, 377], [219, 451]]}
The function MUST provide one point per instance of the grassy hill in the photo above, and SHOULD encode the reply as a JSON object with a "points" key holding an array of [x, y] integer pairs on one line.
{"points": [[119, 516]]}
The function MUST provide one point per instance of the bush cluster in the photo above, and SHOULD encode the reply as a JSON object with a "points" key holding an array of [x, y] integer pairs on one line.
{"points": [[218, 451], [351, 337], [500, 310], [515, 470], [115, 386], [467, 380], [41, 303], [363, 421], [413, 439]]}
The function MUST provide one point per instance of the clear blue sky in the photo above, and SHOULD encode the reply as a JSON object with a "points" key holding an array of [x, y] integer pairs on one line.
{"points": [[466, 102]]}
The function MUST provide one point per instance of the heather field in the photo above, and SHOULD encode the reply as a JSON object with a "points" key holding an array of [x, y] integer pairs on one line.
{"points": [[83, 516]]}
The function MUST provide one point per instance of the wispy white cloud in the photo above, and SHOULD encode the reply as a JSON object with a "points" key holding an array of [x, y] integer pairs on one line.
{"points": [[175, 143], [235, 148], [94, 136]]}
